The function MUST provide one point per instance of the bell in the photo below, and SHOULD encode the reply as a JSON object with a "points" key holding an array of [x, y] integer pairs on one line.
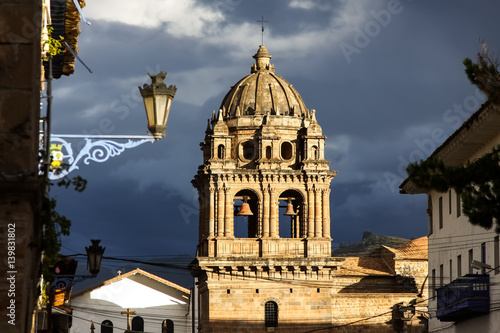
{"points": [[289, 208], [245, 208]]}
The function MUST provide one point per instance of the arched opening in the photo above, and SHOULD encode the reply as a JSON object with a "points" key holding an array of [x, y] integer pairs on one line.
{"points": [[269, 153], [314, 152], [220, 152], [291, 215], [167, 326], [138, 324], [286, 151], [107, 326], [271, 314], [245, 226]]}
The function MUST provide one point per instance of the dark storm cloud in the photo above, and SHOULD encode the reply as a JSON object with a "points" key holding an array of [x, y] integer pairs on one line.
{"points": [[380, 110]]}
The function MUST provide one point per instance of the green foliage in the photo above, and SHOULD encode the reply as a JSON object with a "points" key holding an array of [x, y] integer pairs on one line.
{"points": [[78, 182], [477, 182], [55, 225], [367, 234], [55, 45], [484, 73]]}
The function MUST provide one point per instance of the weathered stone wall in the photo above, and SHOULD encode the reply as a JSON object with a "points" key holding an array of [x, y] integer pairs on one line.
{"points": [[236, 303], [20, 190]]}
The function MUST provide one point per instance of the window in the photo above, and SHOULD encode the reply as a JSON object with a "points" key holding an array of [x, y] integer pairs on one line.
{"points": [[496, 253], [286, 150], [471, 258], [107, 326], [433, 286], [269, 154], [459, 205], [449, 201], [451, 270], [138, 324], [459, 265], [271, 314], [441, 275], [483, 257], [167, 326], [220, 152], [429, 212], [440, 212], [248, 150]]}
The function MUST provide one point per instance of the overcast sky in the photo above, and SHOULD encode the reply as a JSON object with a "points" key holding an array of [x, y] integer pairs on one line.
{"points": [[386, 79]]}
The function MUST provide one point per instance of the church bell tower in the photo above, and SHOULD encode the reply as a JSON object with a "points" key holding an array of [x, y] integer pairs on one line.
{"points": [[264, 195]]}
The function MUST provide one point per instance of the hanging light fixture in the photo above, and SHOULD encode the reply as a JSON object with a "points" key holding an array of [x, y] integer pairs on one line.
{"points": [[245, 208], [289, 208], [157, 100], [94, 256]]}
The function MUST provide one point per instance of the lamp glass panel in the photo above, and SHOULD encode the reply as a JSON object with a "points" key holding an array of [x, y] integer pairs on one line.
{"points": [[161, 103], [150, 109], [169, 102]]}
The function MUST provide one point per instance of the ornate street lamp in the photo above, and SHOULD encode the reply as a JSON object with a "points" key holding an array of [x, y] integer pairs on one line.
{"points": [[157, 100], [94, 257], [99, 148], [64, 278]]}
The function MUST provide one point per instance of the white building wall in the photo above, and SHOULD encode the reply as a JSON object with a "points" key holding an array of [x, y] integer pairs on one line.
{"points": [[101, 304], [456, 237]]}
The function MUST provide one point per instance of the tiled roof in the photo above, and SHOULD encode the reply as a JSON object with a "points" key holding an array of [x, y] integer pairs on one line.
{"points": [[415, 249], [134, 272], [364, 266], [378, 263]]}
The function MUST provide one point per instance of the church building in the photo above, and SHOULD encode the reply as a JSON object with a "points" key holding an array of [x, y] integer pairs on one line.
{"points": [[264, 261]]}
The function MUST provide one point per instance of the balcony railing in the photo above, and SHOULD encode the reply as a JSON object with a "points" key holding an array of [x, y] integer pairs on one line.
{"points": [[463, 298]]}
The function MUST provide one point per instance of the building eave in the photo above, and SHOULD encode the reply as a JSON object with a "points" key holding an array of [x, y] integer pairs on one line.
{"points": [[459, 147]]}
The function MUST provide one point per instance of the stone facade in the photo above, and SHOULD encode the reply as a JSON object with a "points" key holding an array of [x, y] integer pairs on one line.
{"points": [[20, 187], [263, 152]]}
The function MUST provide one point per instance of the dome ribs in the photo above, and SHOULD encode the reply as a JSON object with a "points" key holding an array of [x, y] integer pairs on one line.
{"points": [[273, 107], [282, 88], [300, 103], [243, 98], [257, 89]]}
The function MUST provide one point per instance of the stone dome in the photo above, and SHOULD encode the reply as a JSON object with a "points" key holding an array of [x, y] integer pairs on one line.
{"points": [[263, 92]]}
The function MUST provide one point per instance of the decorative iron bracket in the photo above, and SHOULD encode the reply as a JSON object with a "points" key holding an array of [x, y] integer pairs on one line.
{"points": [[66, 281], [98, 150]]}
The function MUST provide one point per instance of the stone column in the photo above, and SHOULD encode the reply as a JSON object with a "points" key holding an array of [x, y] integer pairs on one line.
{"points": [[228, 219], [326, 213], [220, 212], [272, 224], [202, 232], [211, 217], [310, 213], [265, 208], [317, 213]]}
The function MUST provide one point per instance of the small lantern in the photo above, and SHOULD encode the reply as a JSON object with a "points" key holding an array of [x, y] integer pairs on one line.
{"points": [[57, 156], [94, 256], [157, 100]]}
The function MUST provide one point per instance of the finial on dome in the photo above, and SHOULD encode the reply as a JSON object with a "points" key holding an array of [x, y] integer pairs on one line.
{"points": [[262, 58]]}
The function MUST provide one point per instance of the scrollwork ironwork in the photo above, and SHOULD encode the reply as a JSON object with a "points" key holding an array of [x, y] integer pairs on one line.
{"points": [[98, 151]]}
